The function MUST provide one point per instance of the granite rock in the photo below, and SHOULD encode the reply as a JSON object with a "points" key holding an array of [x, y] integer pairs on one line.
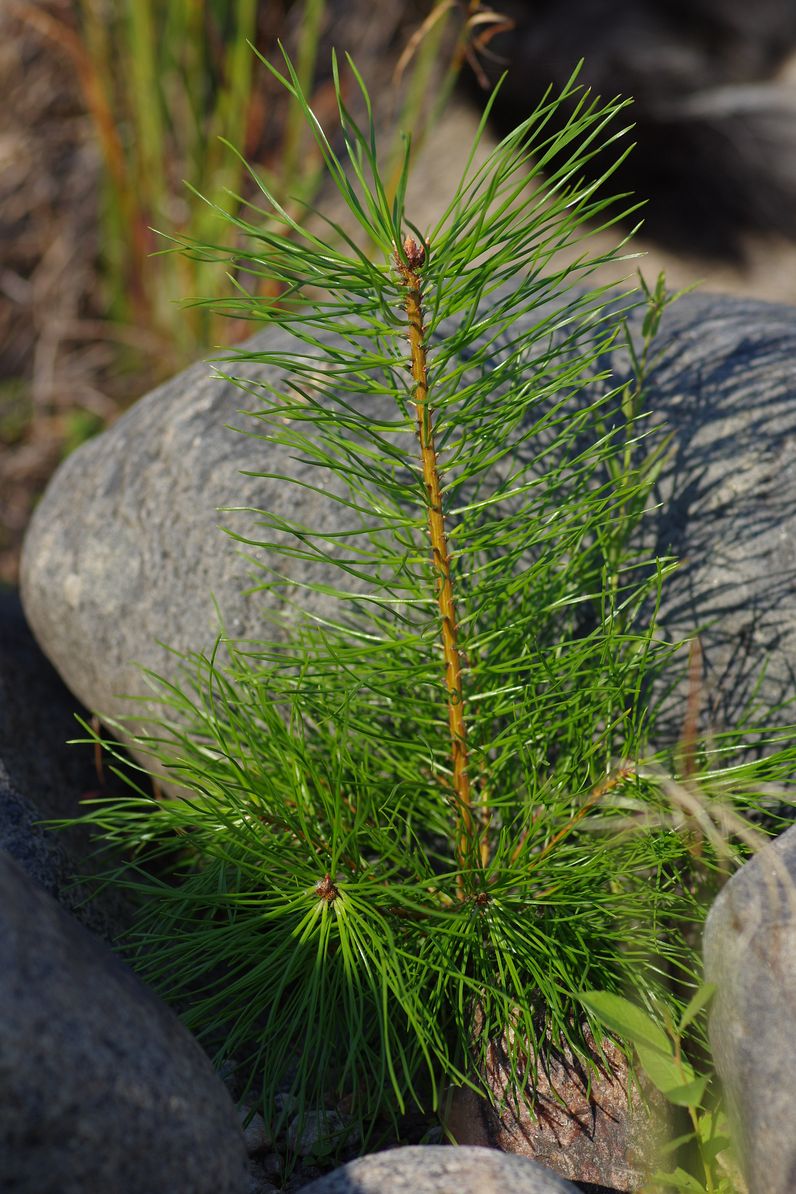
{"points": [[101, 1088], [724, 385], [750, 954], [436, 1169], [143, 557], [124, 553], [318, 1132], [255, 1133], [593, 1127]]}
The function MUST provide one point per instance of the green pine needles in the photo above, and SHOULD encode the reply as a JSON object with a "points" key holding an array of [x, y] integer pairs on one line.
{"points": [[424, 813]]}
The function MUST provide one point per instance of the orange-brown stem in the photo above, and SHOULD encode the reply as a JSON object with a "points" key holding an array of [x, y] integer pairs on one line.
{"points": [[409, 271]]}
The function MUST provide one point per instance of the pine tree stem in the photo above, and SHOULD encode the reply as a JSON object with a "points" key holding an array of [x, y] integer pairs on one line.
{"points": [[410, 275]]}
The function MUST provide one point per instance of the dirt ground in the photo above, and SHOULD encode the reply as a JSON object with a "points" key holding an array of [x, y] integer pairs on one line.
{"points": [[65, 372]]}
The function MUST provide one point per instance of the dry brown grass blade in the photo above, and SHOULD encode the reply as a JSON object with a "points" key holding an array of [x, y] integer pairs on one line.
{"points": [[468, 46], [688, 738], [616, 777], [60, 34], [418, 37]]}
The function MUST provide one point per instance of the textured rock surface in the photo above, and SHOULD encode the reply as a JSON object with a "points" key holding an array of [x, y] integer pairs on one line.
{"points": [[312, 1133], [750, 953], [435, 1169], [586, 1132], [101, 1088], [143, 556], [725, 384], [42, 777], [125, 551]]}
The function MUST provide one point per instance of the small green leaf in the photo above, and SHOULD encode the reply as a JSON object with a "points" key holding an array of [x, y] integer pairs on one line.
{"points": [[701, 997], [671, 1146], [713, 1148], [678, 1179], [709, 1124], [688, 1094], [627, 1020], [713, 1124], [662, 1069]]}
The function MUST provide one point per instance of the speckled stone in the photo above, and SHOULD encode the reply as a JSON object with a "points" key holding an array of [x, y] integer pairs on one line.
{"points": [[750, 954], [255, 1133], [437, 1169], [593, 1127], [102, 1090], [316, 1133]]}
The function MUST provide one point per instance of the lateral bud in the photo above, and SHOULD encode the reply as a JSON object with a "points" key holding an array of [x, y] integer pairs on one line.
{"points": [[326, 889]]}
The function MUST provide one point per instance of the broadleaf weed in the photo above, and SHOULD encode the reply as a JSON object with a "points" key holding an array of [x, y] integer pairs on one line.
{"points": [[710, 1165]]}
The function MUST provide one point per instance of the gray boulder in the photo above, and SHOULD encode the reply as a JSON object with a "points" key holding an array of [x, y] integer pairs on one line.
{"points": [[750, 954], [124, 552], [436, 1169], [42, 777], [125, 558], [724, 383], [101, 1088]]}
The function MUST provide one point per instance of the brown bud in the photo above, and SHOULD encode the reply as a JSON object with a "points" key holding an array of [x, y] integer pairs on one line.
{"points": [[326, 889], [415, 253]]}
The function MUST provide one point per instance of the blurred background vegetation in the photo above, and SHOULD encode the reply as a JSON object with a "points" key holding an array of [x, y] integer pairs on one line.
{"points": [[112, 106]]}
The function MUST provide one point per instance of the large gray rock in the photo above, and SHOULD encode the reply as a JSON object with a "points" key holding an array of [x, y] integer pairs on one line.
{"points": [[101, 1088], [435, 1169], [124, 551], [725, 384], [42, 777], [750, 954]]}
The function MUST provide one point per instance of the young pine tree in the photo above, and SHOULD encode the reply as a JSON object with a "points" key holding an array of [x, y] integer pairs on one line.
{"points": [[425, 811]]}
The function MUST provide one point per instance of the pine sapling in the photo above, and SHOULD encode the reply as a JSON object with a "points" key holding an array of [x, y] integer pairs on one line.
{"points": [[427, 809]]}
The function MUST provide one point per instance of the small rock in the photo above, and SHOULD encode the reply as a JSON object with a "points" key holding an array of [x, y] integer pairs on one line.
{"points": [[272, 1165], [101, 1088], [300, 1177], [255, 1133], [750, 954], [436, 1169], [600, 1131], [258, 1181], [319, 1133], [286, 1104]]}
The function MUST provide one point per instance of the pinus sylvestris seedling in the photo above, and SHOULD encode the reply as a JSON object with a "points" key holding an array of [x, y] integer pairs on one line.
{"points": [[425, 813]]}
